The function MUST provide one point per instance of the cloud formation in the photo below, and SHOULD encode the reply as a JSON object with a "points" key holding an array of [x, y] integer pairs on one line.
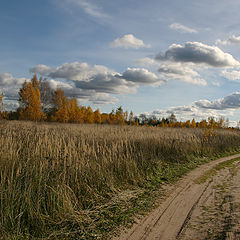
{"points": [[77, 79], [141, 76], [232, 75], [187, 62], [231, 101], [90, 8], [198, 53], [181, 28], [41, 69], [129, 41], [9, 86], [184, 72], [231, 40], [7, 79], [202, 109]]}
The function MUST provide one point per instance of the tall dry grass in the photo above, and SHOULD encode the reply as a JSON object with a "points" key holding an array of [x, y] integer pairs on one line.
{"points": [[54, 176]]}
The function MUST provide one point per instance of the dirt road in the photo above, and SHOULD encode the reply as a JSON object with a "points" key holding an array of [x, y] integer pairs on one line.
{"points": [[205, 204]]}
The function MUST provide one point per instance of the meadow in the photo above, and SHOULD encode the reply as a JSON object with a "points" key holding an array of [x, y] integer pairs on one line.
{"points": [[72, 181]]}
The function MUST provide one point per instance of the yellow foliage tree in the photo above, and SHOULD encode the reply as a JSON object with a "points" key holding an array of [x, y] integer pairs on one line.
{"points": [[30, 101], [73, 111], [97, 116], [61, 106], [3, 113], [90, 115], [193, 123]]}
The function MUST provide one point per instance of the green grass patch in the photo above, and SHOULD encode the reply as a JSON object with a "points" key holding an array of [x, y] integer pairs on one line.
{"points": [[213, 172]]}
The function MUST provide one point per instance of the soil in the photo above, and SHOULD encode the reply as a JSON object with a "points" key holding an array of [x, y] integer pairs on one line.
{"points": [[195, 210]]}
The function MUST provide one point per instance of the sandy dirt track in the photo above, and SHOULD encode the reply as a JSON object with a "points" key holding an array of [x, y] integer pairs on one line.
{"points": [[193, 210]]}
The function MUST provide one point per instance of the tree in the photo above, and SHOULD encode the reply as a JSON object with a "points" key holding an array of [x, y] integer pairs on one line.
{"points": [[73, 111], [120, 116], [131, 118], [172, 118], [60, 106], [46, 93], [90, 115], [193, 123], [30, 101], [97, 116], [3, 113]]}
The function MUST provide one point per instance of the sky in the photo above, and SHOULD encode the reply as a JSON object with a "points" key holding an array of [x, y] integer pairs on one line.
{"points": [[155, 57]]}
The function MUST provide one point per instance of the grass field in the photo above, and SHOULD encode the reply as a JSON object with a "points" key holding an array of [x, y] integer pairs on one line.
{"points": [[66, 181]]}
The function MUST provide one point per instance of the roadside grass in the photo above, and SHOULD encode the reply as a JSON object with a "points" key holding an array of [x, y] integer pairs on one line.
{"points": [[66, 181]]}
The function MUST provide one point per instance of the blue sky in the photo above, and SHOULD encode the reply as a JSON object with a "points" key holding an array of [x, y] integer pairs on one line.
{"points": [[154, 57]]}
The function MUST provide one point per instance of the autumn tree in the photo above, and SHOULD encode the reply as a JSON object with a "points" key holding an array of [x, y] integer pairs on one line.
{"points": [[73, 111], [193, 123], [30, 101], [3, 113], [90, 115], [60, 106], [97, 116]]}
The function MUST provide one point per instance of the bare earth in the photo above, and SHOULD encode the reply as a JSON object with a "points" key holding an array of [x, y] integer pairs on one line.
{"points": [[193, 210]]}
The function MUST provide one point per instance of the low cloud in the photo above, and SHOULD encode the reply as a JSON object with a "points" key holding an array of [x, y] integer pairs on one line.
{"points": [[186, 62], [181, 28], [198, 53], [232, 75], [142, 76], [183, 72], [78, 78], [202, 109], [41, 69], [231, 40], [78, 71], [129, 41], [7, 79], [231, 101], [9, 86]]}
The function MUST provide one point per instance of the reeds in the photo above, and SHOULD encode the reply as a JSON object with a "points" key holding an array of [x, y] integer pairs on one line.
{"points": [[53, 177]]}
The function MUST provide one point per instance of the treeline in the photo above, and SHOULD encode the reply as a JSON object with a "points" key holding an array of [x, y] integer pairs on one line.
{"points": [[39, 102], [171, 121]]}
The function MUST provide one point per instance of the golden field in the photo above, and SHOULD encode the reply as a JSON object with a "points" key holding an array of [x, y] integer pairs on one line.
{"points": [[57, 180]]}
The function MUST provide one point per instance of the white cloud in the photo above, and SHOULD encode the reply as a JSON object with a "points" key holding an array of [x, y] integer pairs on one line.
{"points": [[142, 76], [129, 41], [183, 72], [89, 8], [184, 113], [233, 75], [99, 82], [147, 61], [41, 69], [181, 28], [79, 71], [231, 101], [231, 40], [215, 83], [7, 79], [186, 62], [198, 53]]}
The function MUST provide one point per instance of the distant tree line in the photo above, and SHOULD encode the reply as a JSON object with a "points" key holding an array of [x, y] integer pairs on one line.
{"points": [[39, 102], [171, 121]]}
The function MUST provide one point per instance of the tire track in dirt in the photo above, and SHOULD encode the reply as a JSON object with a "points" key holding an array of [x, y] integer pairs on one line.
{"points": [[170, 219]]}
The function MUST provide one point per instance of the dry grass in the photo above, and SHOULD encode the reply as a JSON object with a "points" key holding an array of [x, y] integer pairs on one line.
{"points": [[55, 179]]}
